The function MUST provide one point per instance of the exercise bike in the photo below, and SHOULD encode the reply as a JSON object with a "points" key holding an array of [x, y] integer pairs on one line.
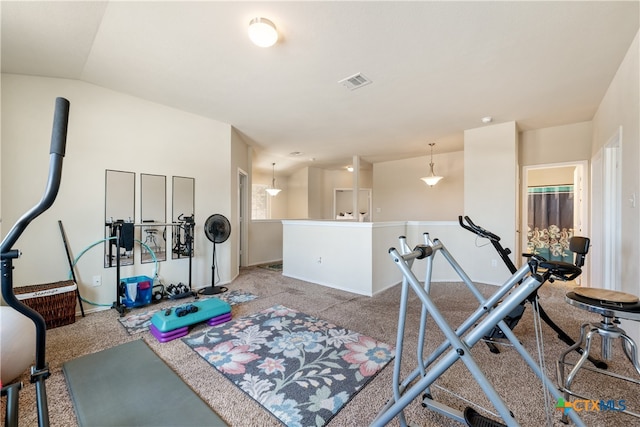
{"points": [[40, 371], [579, 245]]}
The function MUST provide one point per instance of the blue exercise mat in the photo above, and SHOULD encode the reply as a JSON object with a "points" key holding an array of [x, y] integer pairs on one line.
{"points": [[129, 385]]}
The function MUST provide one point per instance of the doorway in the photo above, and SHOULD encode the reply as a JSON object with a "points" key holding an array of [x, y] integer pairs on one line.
{"points": [[243, 256], [554, 208]]}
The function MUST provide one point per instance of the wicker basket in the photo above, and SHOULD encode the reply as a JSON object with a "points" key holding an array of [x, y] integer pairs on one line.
{"points": [[56, 302]]}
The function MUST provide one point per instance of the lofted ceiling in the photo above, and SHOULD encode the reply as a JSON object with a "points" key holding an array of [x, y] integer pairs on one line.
{"points": [[437, 67]]}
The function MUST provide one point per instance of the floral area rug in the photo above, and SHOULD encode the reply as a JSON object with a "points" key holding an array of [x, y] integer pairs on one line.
{"points": [[139, 322], [300, 368]]}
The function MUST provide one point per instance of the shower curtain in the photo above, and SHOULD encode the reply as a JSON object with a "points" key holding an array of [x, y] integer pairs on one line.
{"points": [[550, 221]]}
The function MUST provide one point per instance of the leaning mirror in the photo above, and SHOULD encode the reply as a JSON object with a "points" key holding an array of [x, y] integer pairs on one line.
{"points": [[153, 208], [182, 216], [119, 213]]}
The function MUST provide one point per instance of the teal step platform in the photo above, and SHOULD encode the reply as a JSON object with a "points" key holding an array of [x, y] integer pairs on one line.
{"points": [[189, 314]]}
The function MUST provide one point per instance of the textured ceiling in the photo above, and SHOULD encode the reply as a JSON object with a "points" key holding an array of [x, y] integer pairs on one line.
{"points": [[437, 67]]}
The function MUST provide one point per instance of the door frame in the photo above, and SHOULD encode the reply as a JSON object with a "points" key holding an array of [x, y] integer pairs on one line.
{"points": [[581, 202], [242, 220], [606, 267]]}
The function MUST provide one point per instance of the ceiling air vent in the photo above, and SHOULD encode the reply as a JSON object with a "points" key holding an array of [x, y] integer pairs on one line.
{"points": [[354, 82]]}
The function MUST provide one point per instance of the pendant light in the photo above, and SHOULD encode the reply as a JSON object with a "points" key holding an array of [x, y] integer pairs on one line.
{"points": [[273, 191], [432, 179]]}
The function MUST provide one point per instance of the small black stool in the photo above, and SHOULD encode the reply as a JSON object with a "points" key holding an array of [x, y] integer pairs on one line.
{"points": [[612, 305]]}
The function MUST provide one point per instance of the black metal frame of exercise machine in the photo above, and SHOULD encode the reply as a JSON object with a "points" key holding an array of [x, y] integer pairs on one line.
{"points": [[513, 318], [186, 223], [115, 233], [458, 341], [40, 371]]}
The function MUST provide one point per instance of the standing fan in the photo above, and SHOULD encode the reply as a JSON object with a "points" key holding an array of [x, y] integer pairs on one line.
{"points": [[217, 229]]}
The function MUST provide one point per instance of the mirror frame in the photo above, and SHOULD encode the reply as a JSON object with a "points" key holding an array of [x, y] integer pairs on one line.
{"points": [[153, 209], [182, 200], [116, 205]]}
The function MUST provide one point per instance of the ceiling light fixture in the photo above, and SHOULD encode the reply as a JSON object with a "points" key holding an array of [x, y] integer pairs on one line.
{"points": [[350, 168], [432, 179], [273, 191], [487, 120], [262, 32]]}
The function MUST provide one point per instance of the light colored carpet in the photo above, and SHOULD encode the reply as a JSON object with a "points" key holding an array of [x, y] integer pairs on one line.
{"points": [[375, 317]]}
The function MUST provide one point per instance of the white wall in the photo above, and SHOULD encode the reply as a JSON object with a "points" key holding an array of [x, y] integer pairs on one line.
{"points": [[400, 195], [620, 107], [557, 144], [491, 187], [463, 246], [265, 241], [298, 196], [360, 262], [341, 254], [315, 201], [107, 130], [551, 176]]}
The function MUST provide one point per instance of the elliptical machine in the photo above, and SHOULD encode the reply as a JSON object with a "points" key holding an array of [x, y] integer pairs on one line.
{"points": [[40, 371]]}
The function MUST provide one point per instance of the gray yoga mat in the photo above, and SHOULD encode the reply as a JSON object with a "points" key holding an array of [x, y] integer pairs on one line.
{"points": [[129, 385]]}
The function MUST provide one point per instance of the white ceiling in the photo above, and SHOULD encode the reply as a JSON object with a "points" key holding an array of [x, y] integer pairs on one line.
{"points": [[437, 67]]}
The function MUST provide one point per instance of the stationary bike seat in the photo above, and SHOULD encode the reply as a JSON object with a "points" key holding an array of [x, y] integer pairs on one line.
{"points": [[561, 270]]}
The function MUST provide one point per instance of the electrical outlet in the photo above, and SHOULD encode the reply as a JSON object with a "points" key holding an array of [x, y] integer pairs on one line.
{"points": [[494, 263], [97, 281]]}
